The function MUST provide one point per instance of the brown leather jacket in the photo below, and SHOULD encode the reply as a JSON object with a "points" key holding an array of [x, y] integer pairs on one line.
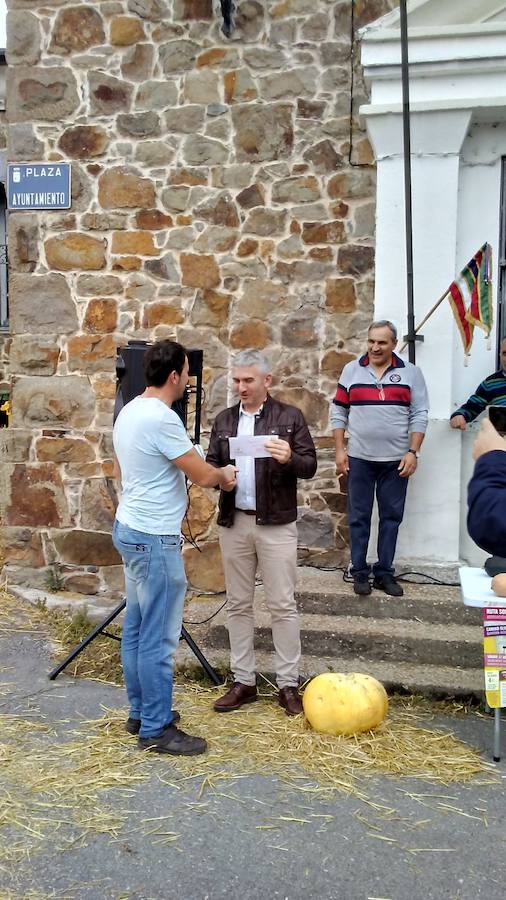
{"points": [[276, 484]]}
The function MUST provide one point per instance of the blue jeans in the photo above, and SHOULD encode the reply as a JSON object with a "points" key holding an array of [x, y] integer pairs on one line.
{"points": [[364, 479], [155, 589]]}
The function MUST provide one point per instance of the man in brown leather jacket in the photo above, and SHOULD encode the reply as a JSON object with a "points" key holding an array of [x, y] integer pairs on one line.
{"points": [[258, 527]]}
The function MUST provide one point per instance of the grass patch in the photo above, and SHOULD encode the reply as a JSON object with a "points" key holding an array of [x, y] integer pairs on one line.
{"points": [[100, 660]]}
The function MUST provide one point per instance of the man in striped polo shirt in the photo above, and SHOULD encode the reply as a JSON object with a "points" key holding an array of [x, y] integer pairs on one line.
{"points": [[491, 392], [382, 402]]}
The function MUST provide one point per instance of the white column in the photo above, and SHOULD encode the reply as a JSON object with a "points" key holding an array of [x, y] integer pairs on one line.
{"points": [[431, 527]]}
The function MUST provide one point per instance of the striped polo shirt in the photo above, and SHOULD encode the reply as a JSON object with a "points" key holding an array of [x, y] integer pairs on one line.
{"points": [[491, 392], [380, 414]]}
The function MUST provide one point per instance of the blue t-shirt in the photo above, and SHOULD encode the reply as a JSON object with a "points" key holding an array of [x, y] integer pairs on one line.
{"points": [[147, 436]]}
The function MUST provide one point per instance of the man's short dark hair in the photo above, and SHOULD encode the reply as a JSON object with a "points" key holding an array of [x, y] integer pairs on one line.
{"points": [[161, 359]]}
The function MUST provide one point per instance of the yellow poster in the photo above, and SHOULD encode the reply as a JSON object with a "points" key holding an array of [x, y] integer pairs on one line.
{"points": [[494, 650]]}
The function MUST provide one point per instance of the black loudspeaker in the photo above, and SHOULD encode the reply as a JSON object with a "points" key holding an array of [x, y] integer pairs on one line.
{"points": [[131, 382]]}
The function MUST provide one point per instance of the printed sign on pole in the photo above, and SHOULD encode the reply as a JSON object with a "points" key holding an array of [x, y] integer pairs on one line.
{"points": [[494, 648], [38, 186]]}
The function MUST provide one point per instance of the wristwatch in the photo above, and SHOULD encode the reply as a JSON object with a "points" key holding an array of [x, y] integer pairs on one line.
{"points": [[414, 452]]}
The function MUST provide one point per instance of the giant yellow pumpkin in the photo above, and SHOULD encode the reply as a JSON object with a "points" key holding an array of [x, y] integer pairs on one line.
{"points": [[336, 703]]}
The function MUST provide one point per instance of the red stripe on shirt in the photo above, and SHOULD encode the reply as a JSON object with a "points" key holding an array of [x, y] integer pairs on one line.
{"points": [[393, 393], [342, 396]]}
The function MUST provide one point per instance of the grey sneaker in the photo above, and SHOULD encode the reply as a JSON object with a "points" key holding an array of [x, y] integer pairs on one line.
{"points": [[174, 742], [133, 726]]}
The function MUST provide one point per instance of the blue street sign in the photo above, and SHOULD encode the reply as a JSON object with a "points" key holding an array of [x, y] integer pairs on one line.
{"points": [[38, 186]]}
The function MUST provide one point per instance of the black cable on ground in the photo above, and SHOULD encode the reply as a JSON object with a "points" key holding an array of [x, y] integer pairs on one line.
{"points": [[437, 582], [348, 579], [204, 621]]}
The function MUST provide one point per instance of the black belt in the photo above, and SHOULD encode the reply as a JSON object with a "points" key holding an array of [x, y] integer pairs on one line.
{"points": [[247, 512]]}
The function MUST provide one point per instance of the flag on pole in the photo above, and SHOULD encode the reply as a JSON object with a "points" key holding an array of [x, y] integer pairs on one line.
{"points": [[478, 274], [470, 296], [457, 303]]}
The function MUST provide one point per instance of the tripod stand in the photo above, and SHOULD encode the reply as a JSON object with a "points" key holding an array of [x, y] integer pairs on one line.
{"points": [[100, 629], [130, 383]]}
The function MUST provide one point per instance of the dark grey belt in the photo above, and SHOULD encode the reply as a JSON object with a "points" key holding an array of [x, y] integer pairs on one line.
{"points": [[247, 512]]}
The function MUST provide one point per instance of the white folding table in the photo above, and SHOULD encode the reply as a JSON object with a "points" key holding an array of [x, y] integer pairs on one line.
{"points": [[477, 591]]}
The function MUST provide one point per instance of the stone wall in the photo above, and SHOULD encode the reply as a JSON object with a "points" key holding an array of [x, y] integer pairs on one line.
{"points": [[221, 195]]}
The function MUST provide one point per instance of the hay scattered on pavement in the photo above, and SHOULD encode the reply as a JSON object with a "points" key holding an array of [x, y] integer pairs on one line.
{"points": [[64, 786], [55, 785], [261, 739], [14, 618], [66, 628]]}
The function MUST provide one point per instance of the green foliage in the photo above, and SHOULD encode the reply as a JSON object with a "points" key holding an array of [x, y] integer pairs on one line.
{"points": [[54, 581]]}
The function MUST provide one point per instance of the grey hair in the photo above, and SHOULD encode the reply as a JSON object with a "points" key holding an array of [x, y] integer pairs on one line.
{"points": [[252, 357], [384, 323]]}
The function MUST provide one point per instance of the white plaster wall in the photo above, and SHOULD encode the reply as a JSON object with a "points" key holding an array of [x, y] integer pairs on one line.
{"points": [[434, 234], [455, 184], [479, 197], [436, 145], [458, 136], [470, 553], [431, 49], [430, 532], [478, 221], [459, 87]]}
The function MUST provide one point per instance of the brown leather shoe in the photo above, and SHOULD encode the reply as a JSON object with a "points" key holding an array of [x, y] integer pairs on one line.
{"points": [[237, 696], [289, 699]]}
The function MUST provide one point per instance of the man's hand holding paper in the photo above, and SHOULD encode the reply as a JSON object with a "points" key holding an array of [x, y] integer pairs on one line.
{"points": [[280, 450], [254, 445]]}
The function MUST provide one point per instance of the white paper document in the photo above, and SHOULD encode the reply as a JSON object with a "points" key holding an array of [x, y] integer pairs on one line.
{"points": [[250, 445]]}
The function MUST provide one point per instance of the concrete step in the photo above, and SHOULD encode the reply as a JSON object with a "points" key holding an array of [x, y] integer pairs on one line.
{"points": [[426, 641], [428, 680], [395, 640], [419, 604], [326, 593]]}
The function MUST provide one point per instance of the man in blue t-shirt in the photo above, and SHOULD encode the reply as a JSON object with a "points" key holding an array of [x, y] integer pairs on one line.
{"points": [[154, 454]]}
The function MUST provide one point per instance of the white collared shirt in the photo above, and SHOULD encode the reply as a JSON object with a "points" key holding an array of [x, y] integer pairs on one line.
{"points": [[245, 492]]}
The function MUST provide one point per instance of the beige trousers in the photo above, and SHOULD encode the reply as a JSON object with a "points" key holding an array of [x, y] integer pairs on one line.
{"points": [[273, 549]]}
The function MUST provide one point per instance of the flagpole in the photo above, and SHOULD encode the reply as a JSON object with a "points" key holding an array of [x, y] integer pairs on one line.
{"points": [[484, 254], [425, 319], [410, 337]]}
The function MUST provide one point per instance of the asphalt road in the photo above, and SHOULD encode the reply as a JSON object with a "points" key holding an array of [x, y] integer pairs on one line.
{"points": [[337, 853]]}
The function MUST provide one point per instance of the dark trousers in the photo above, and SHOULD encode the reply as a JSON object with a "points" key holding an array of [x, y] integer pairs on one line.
{"points": [[366, 478]]}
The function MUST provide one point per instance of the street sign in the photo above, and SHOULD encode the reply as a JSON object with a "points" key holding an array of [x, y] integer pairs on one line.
{"points": [[38, 186]]}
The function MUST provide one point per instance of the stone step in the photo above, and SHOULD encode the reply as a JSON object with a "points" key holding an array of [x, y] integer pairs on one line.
{"points": [[423, 604], [393, 640], [324, 592], [425, 642], [428, 680]]}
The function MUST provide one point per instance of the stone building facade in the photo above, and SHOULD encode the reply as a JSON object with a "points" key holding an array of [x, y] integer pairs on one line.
{"points": [[222, 195]]}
